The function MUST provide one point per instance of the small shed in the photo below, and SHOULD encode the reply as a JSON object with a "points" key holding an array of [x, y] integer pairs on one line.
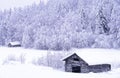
{"points": [[14, 44], [74, 63]]}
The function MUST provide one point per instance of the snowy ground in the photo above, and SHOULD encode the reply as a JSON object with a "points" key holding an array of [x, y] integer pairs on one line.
{"points": [[17, 63]]}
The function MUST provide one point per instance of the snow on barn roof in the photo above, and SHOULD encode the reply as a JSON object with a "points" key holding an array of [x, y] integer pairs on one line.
{"points": [[93, 56], [15, 43]]}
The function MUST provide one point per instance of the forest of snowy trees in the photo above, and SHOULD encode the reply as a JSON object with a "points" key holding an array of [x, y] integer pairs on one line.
{"points": [[63, 24]]}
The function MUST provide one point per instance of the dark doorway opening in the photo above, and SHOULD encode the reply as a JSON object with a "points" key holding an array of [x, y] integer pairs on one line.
{"points": [[76, 69]]}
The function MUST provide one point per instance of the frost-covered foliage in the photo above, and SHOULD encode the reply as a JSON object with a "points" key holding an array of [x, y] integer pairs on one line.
{"points": [[53, 59], [63, 24]]}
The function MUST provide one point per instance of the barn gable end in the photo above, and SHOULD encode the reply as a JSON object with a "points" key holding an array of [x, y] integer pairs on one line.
{"points": [[76, 64]]}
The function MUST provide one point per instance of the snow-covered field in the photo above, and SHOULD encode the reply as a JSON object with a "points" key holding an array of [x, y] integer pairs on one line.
{"points": [[17, 63]]}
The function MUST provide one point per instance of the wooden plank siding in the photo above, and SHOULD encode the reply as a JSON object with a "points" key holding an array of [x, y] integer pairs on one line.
{"points": [[74, 63]]}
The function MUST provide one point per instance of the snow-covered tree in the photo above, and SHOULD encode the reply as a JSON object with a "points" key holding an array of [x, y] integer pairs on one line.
{"points": [[63, 24]]}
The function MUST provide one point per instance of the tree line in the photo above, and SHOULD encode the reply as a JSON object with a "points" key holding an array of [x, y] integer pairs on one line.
{"points": [[63, 24]]}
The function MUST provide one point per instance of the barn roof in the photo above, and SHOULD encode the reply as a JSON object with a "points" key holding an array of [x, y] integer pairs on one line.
{"points": [[15, 43], [68, 56], [92, 56], [72, 55]]}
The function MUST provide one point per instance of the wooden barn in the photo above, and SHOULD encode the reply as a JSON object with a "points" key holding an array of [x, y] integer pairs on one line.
{"points": [[14, 44], [74, 63]]}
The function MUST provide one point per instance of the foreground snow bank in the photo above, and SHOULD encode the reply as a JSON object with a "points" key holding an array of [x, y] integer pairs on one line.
{"points": [[17, 63], [31, 71]]}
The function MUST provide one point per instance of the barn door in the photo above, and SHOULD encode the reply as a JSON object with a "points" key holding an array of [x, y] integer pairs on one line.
{"points": [[76, 69]]}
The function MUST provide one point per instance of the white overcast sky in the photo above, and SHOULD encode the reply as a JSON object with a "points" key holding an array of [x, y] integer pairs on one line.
{"points": [[7, 4]]}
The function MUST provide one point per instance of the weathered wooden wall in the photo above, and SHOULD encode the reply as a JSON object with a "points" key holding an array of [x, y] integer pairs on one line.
{"points": [[72, 63], [100, 68]]}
